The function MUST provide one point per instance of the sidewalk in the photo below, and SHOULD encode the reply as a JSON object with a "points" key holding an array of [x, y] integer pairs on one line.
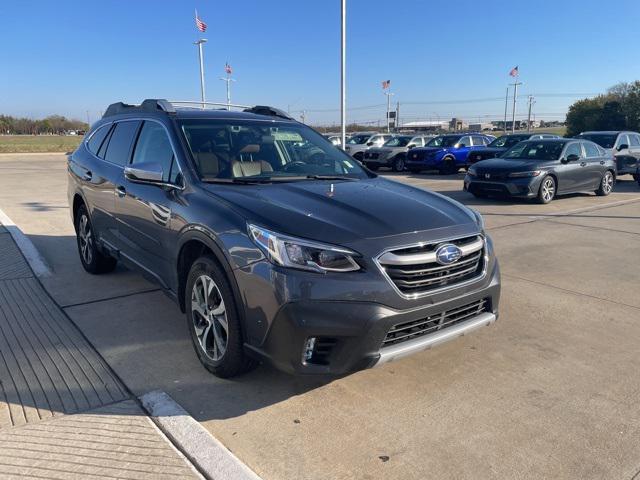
{"points": [[63, 413]]}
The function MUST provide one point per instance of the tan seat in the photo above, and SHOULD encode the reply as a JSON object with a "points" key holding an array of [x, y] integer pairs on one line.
{"points": [[249, 169]]}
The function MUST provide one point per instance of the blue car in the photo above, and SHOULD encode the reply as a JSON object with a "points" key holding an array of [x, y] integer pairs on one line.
{"points": [[446, 153]]}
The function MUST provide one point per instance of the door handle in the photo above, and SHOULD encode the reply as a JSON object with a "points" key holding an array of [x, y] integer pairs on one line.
{"points": [[87, 176], [583, 164], [121, 191]]}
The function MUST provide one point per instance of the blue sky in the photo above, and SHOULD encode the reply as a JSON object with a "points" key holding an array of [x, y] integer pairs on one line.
{"points": [[68, 57]]}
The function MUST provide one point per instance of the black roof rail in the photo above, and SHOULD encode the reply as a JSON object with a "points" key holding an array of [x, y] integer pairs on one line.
{"points": [[270, 111], [148, 105]]}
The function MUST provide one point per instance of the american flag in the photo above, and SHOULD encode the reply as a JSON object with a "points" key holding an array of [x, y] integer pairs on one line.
{"points": [[514, 71], [228, 69], [200, 24], [386, 84]]}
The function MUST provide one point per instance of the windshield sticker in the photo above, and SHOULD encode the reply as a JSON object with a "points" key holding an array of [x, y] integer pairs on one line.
{"points": [[287, 136]]}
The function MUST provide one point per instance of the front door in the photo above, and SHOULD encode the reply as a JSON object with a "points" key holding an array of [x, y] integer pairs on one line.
{"points": [[573, 174], [143, 210]]}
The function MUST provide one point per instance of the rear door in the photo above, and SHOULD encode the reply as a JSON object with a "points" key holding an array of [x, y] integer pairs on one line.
{"points": [[143, 210], [595, 164]]}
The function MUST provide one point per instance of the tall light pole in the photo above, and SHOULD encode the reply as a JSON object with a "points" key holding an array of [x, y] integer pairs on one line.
{"points": [[515, 96], [228, 79], [343, 72], [506, 102], [200, 43], [531, 102]]}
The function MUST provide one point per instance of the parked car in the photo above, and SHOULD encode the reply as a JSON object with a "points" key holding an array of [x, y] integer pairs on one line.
{"points": [[336, 140], [277, 253], [503, 143], [542, 169], [359, 143], [446, 153], [624, 146], [394, 152]]}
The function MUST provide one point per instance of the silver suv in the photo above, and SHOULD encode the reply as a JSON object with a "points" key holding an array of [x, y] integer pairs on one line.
{"points": [[361, 142], [394, 152]]}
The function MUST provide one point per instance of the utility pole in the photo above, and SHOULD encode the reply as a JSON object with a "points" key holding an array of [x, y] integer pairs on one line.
{"points": [[343, 74], [397, 115], [506, 102], [515, 96], [531, 102], [200, 43], [388, 94]]}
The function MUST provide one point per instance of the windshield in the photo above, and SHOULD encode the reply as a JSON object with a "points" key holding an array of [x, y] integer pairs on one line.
{"points": [[398, 142], [507, 141], [358, 139], [535, 150], [605, 140], [444, 141], [234, 149]]}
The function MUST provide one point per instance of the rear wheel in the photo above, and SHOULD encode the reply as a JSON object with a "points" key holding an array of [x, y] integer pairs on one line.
{"points": [[398, 163], [213, 320], [93, 260], [606, 184], [547, 190], [448, 167]]}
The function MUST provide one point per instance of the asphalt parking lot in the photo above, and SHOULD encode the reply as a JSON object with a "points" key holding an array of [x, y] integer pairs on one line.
{"points": [[551, 390]]}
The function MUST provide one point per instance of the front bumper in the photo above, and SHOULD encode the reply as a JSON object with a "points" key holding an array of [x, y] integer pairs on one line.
{"points": [[513, 187], [352, 332]]}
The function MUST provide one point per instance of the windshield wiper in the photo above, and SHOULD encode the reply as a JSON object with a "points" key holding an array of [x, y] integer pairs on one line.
{"points": [[331, 177], [242, 180]]}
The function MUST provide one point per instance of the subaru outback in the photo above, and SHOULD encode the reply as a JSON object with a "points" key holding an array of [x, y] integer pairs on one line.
{"points": [[277, 246]]}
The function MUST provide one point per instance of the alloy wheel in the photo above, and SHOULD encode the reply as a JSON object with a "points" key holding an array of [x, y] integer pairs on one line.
{"points": [[86, 240], [607, 183], [548, 189], [209, 317]]}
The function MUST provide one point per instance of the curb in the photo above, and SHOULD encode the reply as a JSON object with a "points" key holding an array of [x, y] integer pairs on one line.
{"points": [[28, 249], [209, 455]]}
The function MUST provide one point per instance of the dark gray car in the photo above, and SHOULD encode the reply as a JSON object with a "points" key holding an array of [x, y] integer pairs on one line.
{"points": [[276, 245]]}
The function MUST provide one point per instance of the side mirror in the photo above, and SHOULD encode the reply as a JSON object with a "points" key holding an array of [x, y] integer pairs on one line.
{"points": [[146, 172], [369, 143], [572, 158], [412, 145], [624, 146]]}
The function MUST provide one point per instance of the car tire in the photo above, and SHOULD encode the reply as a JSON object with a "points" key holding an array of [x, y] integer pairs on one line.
{"points": [[210, 305], [547, 190], [607, 183], [92, 259], [449, 167], [398, 164]]}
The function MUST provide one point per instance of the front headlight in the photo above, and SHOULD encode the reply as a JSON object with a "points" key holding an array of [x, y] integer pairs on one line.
{"points": [[302, 254], [533, 173], [472, 172]]}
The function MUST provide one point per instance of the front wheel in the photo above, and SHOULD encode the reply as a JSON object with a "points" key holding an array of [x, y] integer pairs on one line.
{"points": [[93, 260], [547, 190], [213, 320], [606, 184], [398, 164]]}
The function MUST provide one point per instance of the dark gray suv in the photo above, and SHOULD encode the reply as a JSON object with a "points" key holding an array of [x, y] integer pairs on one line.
{"points": [[276, 245]]}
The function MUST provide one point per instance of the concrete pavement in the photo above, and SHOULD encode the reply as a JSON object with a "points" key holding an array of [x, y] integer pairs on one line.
{"points": [[549, 391]]}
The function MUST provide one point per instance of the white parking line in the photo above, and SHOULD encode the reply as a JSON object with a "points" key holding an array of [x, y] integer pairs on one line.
{"points": [[28, 249]]}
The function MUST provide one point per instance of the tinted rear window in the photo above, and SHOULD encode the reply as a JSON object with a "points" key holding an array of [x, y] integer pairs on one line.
{"points": [[605, 140], [120, 143], [97, 138]]}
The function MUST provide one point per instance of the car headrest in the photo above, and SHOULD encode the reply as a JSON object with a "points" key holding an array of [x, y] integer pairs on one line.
{"points": [[251, 148]]}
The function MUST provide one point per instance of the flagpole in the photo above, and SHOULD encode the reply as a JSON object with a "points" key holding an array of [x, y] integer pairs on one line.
{"points": [[515, 96], [228, 79], [343, 84], [202, 93], [506, 103]]}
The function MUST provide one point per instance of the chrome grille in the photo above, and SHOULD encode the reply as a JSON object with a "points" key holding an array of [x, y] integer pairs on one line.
{"points": [[415, 270], [403, 332]]}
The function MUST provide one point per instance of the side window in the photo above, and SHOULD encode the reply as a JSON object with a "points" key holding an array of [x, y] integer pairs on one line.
{"points": [[465, 142], [622, 140], [417, 141], [153, 146], [478, 141], [573, 149], [120, 142], [97, 138], [635, 140], [591, 149]]}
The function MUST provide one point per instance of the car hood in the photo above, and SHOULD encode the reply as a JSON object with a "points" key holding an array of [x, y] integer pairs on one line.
{"points": [[344, 212], [508, 164]]}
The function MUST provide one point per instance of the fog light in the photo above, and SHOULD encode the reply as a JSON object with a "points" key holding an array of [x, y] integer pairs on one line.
{"points": [[309, 345]]}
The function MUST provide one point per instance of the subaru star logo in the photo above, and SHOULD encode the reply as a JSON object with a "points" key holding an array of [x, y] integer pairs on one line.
{"points": [[447, 254]]}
